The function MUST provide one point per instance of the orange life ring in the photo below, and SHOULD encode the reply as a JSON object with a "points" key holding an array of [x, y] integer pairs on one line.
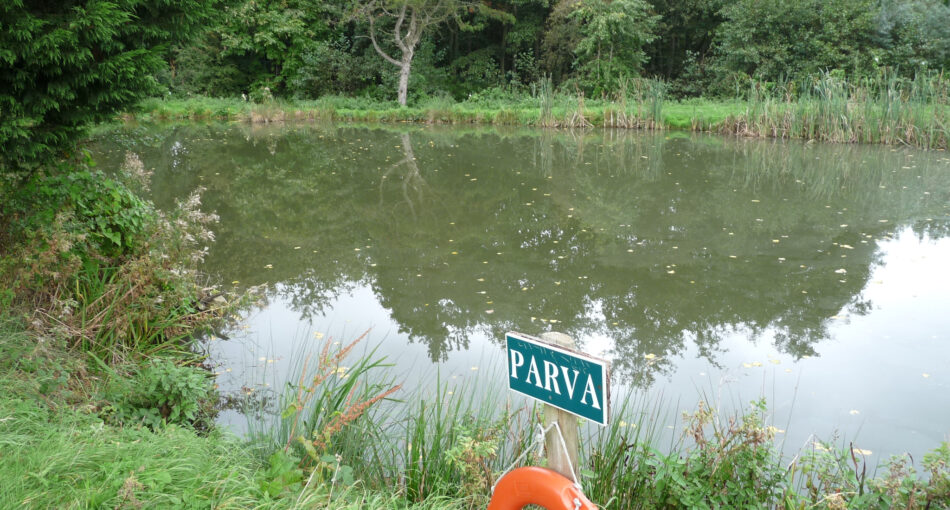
{"points": [[532, 485]]}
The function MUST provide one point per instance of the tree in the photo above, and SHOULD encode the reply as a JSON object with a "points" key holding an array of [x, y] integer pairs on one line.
{"points": [[606, 37], [411, 19], [69, 63], [772, 39]]}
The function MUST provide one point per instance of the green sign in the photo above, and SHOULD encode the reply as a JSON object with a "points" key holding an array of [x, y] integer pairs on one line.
{"points": [[568, 380]]}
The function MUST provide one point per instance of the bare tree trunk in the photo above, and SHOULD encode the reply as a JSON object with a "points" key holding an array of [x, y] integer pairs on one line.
{"points": [[404, 69]]}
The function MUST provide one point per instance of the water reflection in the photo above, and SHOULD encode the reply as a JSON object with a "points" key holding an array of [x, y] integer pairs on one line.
{"points": [[659, 242]]}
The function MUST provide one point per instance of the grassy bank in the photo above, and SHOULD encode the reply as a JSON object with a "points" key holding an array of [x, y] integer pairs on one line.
{"points": [[915, 113], [321, 447]]}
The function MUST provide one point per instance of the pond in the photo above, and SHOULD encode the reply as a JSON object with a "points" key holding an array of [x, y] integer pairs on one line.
{"points": [[814, 275]]}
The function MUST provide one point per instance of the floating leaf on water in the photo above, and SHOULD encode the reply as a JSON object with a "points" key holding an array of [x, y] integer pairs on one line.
{"points": [[854, 412], [774, 430], [926, 375], [775, 361], [861, 451], [489, 311], [841, 271], [318, 335], [474, 368], [650, 356], [670, 271], [235, 282], [776, 241], [269, 266], [747, 365], [524, 288], [732, 256], [788, 370], [755, 201]]}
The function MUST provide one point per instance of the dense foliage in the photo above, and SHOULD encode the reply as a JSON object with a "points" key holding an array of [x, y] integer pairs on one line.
{"points": [[313, 48], [66, 64]]}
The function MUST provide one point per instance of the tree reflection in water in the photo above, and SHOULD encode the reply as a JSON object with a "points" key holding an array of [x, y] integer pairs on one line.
{"points": [[655, 241]]}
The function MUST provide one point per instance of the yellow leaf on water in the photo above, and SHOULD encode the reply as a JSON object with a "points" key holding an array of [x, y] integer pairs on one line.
{"points": [[841, 271], [926, 375], [650, 356], [747, 365], [774, 361], [854, 412]]}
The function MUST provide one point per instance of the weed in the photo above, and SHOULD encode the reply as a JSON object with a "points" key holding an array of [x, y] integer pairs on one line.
{"points": [[162, 392]]}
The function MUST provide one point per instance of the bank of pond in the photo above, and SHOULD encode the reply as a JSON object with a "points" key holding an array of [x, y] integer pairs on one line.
{"points": [[824, 108], [341, 434]]}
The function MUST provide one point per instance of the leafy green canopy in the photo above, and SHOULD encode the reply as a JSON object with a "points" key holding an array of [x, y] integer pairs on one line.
{"points": [[67, 63]]}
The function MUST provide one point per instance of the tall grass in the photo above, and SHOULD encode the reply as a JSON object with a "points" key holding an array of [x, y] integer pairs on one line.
{"points": [[828, 108], [455, 440]]}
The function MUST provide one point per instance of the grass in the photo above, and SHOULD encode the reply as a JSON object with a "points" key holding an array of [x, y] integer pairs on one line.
{"points": [[440, 448], [821, 108], [57, 451], [454, 439]]}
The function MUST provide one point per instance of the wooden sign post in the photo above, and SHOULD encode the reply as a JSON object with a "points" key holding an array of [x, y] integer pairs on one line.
{"points": [[565, 420]]}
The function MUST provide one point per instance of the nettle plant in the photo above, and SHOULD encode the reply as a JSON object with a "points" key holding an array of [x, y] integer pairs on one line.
{"points": [[162, 393]]}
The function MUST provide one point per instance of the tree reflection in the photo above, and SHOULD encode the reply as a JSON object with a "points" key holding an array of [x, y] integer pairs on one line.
{"points": [[656, 241]]}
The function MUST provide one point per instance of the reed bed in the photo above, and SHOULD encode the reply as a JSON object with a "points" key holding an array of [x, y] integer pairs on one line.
{"points": [[829, 109]]}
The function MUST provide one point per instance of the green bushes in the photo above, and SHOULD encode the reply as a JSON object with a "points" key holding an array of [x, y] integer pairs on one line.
{"points": [[66, 65], [101, 268]]}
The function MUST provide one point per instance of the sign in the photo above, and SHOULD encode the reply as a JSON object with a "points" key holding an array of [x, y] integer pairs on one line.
{"points": [[568, 380]]}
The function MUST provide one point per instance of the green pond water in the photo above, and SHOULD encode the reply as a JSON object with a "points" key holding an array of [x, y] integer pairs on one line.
{"points": [[817, 276]]}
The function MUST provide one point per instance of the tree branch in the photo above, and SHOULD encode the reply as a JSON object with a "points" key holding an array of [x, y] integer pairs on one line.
{"points": [[396, 32], [372, 37]]}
